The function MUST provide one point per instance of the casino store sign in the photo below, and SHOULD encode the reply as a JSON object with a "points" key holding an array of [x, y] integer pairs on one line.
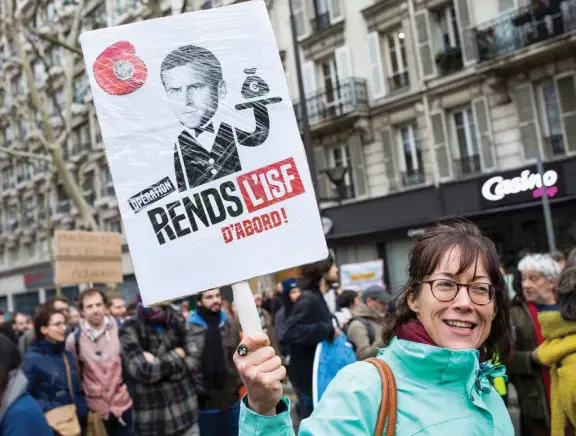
{"points": [[497, 188]]}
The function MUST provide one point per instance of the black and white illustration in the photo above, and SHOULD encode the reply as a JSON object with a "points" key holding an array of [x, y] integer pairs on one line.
{"points": [[206, 149], [202, 142]]}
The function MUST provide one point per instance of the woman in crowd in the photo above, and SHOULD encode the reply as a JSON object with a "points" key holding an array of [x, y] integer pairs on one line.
{"points": [[20, 414], [559, 353], [539, 279], [347, 301], [451, 316], [308, 324], [50, 368]]}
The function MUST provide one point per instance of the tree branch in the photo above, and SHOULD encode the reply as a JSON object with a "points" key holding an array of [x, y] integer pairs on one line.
{"points": [[76, 24], [55, 41], [25, 154]]}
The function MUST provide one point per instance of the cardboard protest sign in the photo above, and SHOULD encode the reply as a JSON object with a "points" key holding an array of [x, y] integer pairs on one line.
{"points": [[359, 276], [208, 165], [87, 257]]}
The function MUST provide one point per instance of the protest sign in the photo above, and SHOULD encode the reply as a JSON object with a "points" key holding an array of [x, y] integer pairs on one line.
{"points": [[359, 276], [87, 257], [208, 165]]}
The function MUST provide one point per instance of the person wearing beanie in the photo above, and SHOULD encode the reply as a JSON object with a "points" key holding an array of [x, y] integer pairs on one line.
{"points": [[365, 328], [290, 293], [161, 358]]}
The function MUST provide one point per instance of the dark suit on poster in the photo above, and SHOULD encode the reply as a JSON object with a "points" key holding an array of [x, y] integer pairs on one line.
{"points": [[200, 165]]}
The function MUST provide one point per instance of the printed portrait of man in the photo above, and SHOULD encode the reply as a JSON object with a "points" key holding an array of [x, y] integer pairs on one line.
{"points": [[205, 150]]}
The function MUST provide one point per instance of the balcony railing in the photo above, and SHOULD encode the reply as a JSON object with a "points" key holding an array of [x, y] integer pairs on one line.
{"points": [[399, 81], [525, 26], [320, 22], [349, 96], [555, 145], [413, 178], [467, 165]]}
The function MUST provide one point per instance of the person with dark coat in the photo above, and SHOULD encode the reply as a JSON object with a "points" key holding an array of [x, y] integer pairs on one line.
{"points": [[20, 414], [309, 323], [290, 293], [47, 363]]}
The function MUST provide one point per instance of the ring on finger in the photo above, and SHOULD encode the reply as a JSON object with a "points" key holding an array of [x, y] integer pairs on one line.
{"points": [[242, 350]]}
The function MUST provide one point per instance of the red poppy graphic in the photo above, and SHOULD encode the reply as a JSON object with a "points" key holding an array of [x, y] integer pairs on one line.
{"points": [[118, 70]]}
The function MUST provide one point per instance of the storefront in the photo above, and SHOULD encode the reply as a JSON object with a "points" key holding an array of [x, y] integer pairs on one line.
{"points": [[506, 206]]}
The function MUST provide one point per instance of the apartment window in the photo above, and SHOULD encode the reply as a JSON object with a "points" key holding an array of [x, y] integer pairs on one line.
{"points": [[22, 128], [330, 81], [123, 5], [8, 178], [24, 171], [447, 28], [410, 153], [9, 133], [395, 49], [339, 157], [80, 138], [325, 13], [465, 141], [107, 185], [26, 303], [30, 250], [550, 118], [51, 11], [56, 56], [79, 89], [60, 98], [39, 73], [12, 220]]}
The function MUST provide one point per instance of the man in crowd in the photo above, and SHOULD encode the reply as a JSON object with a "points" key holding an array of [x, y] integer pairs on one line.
{"points": [[58, 303], [162, 360], [218, 396], [20, 324], [74, 317], [118, 309], [96, 348], [365, 328]]}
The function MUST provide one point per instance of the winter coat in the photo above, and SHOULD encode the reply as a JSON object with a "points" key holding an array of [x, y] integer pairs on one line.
{"points": [[559, 352], [279, 329], [100, 365], [230, 332], [164, 391], [309, 324], [523, 372], [358, 336], [268, 328], [20, 414], [45, 370], [440, 392]]}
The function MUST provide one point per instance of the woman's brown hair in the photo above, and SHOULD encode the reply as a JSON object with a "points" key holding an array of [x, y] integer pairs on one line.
{"points": [[427, 253], [43, 317]]}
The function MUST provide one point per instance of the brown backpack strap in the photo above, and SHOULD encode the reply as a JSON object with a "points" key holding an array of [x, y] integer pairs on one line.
{"points": [[389, 403]]}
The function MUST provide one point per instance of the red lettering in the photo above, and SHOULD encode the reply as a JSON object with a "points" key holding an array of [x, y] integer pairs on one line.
{"points": [[258, 227], [270, 185], [227, 234], [239, 231], [267, 222], [276, 219], [248, 227]]}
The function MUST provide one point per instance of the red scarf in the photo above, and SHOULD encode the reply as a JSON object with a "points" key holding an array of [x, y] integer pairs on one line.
{"points": [[533, 309], [414, 331]]}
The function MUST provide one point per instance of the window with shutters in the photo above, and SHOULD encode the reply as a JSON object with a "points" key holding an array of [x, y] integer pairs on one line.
{"points": [[396, 61], [325, 14], [107, 184], [465, 142], [300, 17], [410, 155], [330, 82], [113, 225], [449, 52], [549, 117], [339, 157], [8, 178]]}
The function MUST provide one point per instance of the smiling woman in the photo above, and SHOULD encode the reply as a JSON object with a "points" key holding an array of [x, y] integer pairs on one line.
{"points": [[451, 318]]}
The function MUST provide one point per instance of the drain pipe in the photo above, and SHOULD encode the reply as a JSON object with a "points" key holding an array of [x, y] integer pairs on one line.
{"points": [[423, 91]]}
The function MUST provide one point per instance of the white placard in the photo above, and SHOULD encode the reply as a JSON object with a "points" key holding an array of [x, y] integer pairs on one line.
{"points": [[208, 165], [359, 276]]}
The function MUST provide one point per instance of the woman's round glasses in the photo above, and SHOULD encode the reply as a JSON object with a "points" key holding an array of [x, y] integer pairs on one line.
{"points": [[446, 290]]}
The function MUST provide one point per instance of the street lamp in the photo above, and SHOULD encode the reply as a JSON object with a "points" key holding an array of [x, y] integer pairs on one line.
{"points": [[307, 137], [336, 175]]}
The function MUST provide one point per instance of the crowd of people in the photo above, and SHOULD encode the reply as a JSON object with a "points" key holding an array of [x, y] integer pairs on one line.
{"points": [[100, 368]]}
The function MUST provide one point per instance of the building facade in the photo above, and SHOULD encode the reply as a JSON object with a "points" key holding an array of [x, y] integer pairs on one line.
{"points": [[423, 102]]}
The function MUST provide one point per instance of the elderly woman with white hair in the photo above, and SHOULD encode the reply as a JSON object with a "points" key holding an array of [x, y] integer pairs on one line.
{"points": [[539, 279]]}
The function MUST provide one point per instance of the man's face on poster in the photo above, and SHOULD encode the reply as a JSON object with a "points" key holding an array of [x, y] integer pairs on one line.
{"points": [[192, 93]]}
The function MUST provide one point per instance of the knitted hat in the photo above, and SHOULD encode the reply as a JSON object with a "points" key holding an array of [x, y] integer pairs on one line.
{"points": [[288, 285]]}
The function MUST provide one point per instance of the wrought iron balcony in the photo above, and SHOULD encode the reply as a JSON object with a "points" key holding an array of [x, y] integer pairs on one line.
{"points": [[348, 96], [413, 178], [399, 81], [320, 22], [467, 165], [525, 26]]}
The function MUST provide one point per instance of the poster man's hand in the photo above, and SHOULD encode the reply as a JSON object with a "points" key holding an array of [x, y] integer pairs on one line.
{"points": [[149, 357], [261, 372]]}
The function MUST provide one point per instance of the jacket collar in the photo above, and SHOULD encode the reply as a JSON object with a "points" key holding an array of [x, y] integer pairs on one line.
{"points": [[196, 319], [442, 366], [554, 326], [17, 386], [44, 346]]}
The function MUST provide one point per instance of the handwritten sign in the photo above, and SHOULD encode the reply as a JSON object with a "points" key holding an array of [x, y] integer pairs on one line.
{"points": [[88, 257]]}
